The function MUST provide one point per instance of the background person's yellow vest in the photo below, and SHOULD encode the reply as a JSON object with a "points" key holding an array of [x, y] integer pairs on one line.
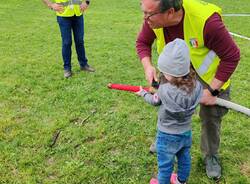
{"points": [[71, 8], [204, 61]]}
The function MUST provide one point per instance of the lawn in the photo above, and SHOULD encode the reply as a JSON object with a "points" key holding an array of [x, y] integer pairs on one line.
{"points": [[103, 136]]}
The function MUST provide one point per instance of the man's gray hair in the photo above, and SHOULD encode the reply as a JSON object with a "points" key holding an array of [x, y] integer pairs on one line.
{"points": [[167, 4]]}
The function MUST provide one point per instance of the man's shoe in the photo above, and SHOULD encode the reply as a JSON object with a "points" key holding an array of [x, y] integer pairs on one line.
{"points": [[87, 68], [152, 148], [213, 168], [67, 73]]}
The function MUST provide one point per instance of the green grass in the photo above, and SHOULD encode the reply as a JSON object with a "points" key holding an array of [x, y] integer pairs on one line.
{"points": [[111, 146]]}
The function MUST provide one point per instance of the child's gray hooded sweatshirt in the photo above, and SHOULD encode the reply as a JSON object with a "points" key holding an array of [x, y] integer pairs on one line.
{"points": [[176, 107]]}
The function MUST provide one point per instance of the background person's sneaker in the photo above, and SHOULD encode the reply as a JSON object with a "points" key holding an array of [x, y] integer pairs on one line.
{"points": [[67, 73], [213, 168], [87, 68], [152, 148]]}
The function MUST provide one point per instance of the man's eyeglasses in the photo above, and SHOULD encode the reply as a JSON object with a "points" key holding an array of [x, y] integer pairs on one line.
{"points": [[147, 16]]}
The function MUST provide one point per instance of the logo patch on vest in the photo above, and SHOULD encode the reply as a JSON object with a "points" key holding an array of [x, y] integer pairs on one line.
{"points": [[193, 42]]}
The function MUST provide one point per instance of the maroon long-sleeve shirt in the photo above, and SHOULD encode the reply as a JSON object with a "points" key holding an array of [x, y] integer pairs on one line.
{"points": [[216, 38]]}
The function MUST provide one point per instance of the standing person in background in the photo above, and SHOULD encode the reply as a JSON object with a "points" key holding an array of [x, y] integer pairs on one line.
{"points": [[178, 95], [214, 56], [70, 18]]}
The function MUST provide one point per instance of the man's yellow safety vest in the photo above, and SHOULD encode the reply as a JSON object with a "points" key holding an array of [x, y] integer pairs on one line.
{"points": [[204, 61], [71, 8]]}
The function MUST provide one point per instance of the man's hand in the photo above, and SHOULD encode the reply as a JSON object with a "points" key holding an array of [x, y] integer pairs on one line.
{"points": [[83, 6], [150, 74], [207, 98], [57, 7], [150, 71]]}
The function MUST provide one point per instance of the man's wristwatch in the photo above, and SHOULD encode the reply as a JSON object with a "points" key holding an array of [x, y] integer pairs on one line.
{"points": [[214, 92]]}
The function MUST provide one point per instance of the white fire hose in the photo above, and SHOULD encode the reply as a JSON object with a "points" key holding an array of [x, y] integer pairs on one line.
{"points": [[233, 106]]}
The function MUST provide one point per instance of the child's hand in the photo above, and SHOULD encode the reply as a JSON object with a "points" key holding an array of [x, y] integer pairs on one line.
{"points": [[139, 92], [152, 90]]}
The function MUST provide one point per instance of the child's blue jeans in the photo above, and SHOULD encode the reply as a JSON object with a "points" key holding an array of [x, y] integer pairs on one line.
{"points": [[168, 146]]}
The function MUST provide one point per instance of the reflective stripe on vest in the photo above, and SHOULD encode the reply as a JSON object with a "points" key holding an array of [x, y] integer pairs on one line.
{"points": [[71, 2], [206, 63]]}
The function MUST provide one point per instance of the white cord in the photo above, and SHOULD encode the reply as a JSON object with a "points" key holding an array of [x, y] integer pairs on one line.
{"points": [[240, 36], [236, 15]]}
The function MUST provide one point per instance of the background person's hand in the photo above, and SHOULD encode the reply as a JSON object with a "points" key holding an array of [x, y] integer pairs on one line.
{"points": [[57, 7], [207, 98], [83, 6]]}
